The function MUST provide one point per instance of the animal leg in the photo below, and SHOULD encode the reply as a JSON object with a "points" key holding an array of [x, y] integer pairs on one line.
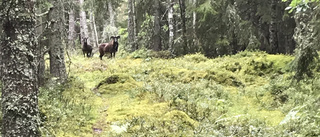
{"points": [[101, 55]]}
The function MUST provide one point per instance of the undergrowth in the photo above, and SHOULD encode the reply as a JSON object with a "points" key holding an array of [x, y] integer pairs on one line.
{"points": [[143, 94]]}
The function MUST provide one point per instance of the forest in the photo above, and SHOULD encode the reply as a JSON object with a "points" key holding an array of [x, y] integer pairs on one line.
{"points": [[82, 68]]}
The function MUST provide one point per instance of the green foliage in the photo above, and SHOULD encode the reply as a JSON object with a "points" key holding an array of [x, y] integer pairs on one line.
{"points": [[299, 5], [146, 32], [64, 105]]}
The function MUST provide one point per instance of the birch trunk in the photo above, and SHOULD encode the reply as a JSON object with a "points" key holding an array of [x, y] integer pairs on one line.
{"points": [[72, 30], [131, 32], [84, 33], [93, 34], [171, 26]]}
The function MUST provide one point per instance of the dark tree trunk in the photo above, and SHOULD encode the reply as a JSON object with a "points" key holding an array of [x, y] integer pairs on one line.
{"points": [[20, 114], [157, 27], [273, 39], [56, 52], [183, 24]]}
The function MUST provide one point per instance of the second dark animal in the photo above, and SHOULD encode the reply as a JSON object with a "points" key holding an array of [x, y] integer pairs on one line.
{"points": [[86, 49], [111, 47]]}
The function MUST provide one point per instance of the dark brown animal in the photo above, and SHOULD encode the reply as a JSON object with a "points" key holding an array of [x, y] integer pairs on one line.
{"points": [[86, 49], [111, 47]]}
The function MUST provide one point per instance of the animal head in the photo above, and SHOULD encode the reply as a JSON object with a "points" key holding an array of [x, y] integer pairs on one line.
{"points": [[115, 44], [115, 38], [85, 40]]}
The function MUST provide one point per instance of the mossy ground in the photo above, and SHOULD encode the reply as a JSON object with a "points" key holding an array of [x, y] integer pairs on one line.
{"points": [[247, 94], [182, 90]]}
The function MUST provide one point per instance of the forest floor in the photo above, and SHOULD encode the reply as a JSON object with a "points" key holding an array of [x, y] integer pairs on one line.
{"points": [[186, 96]]}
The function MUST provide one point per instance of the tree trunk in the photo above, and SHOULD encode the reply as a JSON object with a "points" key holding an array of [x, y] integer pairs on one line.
{"points": [[95, 31], [273, 40], [171, 26], [109, 28], [157, 27], [135, 24], [131, 32], [39, 34], [183, 24], [111, 13], [194, 17], [72, 29], [84, 33], [20, 114], [194, 23], [93, 34], [56, 49], [305, 36]]}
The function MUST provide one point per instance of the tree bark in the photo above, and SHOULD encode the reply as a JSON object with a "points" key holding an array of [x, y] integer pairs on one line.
{"points": [[72, 29], [157, 27], [93, 33], [135, 24], [183, 24], [273, 40], [111, 13], [84, 33], [171, 26], [194, 23], [20, 114], [39, 35], [131, 32], [56, 49]]}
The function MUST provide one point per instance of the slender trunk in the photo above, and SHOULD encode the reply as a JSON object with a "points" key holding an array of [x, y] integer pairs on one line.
{"points": [[194, 23], [194, 16], [183, 24], [39, 34], [131, 33], [157, 27], [19, 103], [273, 40], [109, 28], [93, 35], [111, 13], [56, 49], [72, 30], [135, 24], [83, 23], [95, 31], [171, 26]]}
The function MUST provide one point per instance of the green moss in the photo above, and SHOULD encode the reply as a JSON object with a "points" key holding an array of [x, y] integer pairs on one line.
{"points": [[122, 107], [117, 84], [176, 116], [224, 77], [195, 58]]}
